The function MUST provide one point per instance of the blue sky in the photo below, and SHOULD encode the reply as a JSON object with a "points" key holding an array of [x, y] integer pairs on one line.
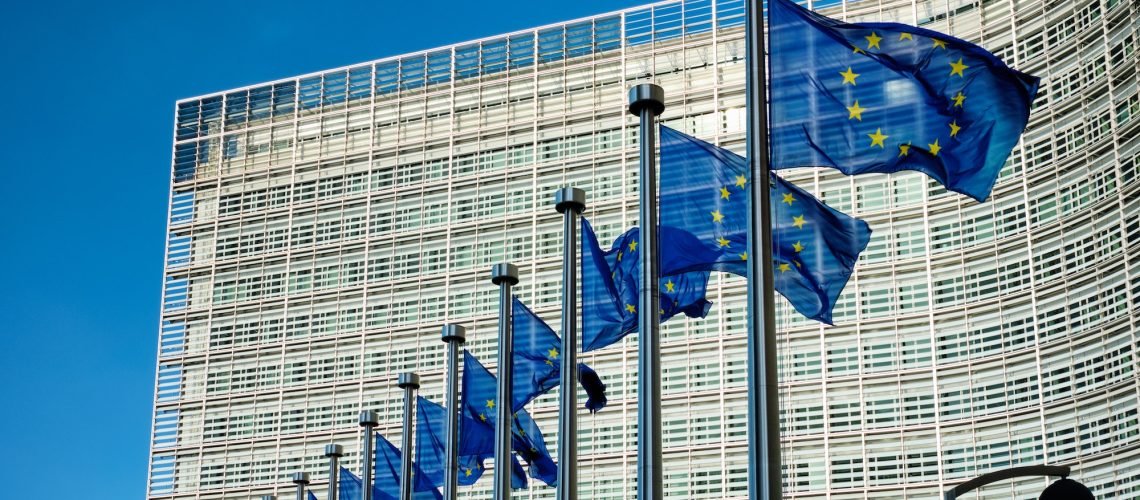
{"points": [[88, 92]]}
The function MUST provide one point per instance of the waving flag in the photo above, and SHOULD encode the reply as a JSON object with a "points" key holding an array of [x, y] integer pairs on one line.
{"points": [[536, 361], [475, 441], [387, 480], [884, 97]]}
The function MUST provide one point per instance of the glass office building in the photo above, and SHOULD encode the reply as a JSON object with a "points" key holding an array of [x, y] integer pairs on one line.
{"points": [[322, 228]]}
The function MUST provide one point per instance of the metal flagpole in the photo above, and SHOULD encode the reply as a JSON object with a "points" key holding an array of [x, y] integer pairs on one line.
{"points": [[764, 478], [369, 420], [333, 452], [569, 202], [647, 101], [505, 275], [409, 382], [301, 479], [452, 335]]}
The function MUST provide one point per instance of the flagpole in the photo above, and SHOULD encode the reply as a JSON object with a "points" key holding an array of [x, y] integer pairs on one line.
{"points": [[452, 335], [647, 101], [409, 382], [333, 452], [764, 474], [505, 275], [301, 479], [569, 202], [369, 420]]}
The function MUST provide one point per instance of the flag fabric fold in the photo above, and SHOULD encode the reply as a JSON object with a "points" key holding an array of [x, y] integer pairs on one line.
{"points": [[536, 365], [431, 444], [386, 483], [885, 97], [704, 203]]}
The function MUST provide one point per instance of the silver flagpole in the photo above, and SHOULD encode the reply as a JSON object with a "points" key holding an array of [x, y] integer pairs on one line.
{"points": [[647, 101], [453, 336], [369, 420], [333, 452], [409, 382], [569, 202], [764, 475], [301, 479], [505, 275]]}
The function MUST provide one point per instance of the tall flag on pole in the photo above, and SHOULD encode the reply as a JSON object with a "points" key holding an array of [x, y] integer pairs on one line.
{"points": [[610, 288], [536, 361], [475, 442], [479, 403], [387, 485], [350, 487], [884, 97], [704, 205]]}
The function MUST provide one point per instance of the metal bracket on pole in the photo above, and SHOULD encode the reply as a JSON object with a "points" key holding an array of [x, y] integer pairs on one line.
{"points": [[647, 101], [301, 479], [409, 382], [454, 336], [569, 202], [505, 275], [333, 452], [369, 420]]}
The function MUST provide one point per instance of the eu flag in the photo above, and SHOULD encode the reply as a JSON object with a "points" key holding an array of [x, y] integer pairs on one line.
{"points": [[536, 366], [479, 403], [884, 97], [349, 486], [475, 440], [610, 288], [311, 495], [704, 205], [386, 484]]}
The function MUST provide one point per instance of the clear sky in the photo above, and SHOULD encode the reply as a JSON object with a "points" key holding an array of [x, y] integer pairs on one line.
{"points": [[87, 92]]}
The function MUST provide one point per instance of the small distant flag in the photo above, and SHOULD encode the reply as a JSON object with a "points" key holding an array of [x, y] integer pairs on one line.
{"points": [[884, 97]]}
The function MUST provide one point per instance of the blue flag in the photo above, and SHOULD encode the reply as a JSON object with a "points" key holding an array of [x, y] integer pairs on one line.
{"points": [[350, 487], [536, 365], [386, 485], [704, 203], [431, 444], [884, 97], [311, 495], [610, 292], [479, 402]]}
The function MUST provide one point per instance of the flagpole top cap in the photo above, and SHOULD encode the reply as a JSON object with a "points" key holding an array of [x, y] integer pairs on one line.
{"points": [[369, 418], [569, 198], [646, 96], [408, 380], [334, 450], [505, 273], [301, 478], [453, 333]]}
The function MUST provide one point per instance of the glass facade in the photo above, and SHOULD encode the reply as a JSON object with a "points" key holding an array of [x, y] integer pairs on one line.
{"points": [[322, 228]]}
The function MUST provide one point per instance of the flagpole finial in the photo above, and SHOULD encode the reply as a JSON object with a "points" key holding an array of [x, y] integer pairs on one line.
{"points": [[408, 380], [334, 450], [369, 418], [646, 96], [570, 198], [453, 333], [301, 478], [505, 272]]}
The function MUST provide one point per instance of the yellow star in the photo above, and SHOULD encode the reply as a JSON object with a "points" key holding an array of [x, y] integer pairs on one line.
{"points": [[784, 267], [552, 353], [740, 180], [789, 199], [630, 308], [722, 242], [744, 256], [467, 471], [904, 149], [724, 193], [490, 403], [855, 111], [954, 128], [857, 50], [633, 246], [849, 76], [482, 417], [798, 221], [619, 256], [798, 247], [669, 286], [717, 216], [873, 41], [877, 138], [906, 36], [956, 68], [549, 362], [934, 148], [959, 99], [939, 43], [797, 263]]}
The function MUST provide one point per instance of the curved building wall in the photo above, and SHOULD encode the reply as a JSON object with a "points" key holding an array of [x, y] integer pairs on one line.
{"points": [[323, 227]]}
